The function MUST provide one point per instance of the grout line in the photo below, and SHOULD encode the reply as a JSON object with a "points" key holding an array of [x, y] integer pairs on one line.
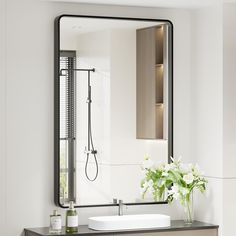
{"points": [[108, 164], [133, 164], [220, 178]]}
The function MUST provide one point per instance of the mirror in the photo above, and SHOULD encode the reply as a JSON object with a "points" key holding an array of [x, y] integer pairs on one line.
{"points": [[113, 106]]}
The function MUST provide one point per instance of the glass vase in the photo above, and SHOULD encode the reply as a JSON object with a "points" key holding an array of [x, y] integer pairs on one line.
{"points": [[188, 209]]}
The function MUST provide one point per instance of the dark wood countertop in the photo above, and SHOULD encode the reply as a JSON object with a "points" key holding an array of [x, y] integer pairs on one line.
{"points": [[176, 225]]}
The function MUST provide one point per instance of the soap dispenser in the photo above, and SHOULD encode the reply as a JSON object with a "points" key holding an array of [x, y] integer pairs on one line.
{"points": [[55, 223], [71, 219]]}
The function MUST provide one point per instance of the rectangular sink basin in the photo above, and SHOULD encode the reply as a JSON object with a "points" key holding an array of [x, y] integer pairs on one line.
{"points": [[143, 221]]}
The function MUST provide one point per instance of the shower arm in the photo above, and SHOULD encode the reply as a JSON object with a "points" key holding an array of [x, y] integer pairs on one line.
{"points": [[88, 70]]}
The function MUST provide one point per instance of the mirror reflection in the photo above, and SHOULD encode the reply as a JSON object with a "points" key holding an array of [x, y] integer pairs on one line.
{"points": [[114, 107]]}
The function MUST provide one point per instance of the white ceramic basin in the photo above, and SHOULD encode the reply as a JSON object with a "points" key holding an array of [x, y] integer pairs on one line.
{"points": [[129, 222]]}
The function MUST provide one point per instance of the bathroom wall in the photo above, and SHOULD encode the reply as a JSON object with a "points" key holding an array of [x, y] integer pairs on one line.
{"points": [[2, 112], [207, 109], [213, 113], [27, 111], [229, 86], [206, 89], [127, 152], [229, 117], [90, 55], [87, 50]]}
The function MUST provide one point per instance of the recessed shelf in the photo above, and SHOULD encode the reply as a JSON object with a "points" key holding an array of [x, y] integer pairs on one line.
{"points": [[151, 103]]}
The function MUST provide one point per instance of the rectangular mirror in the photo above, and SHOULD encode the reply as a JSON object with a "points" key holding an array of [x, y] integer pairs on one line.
{"points": [[113, 106]]}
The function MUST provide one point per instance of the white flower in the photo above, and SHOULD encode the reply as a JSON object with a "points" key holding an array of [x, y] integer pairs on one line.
{"points": [[164, 173], [151, 190], [148, 186], [172, 166], [167, 167], [176, 160], [150, 183], [143, 173], [184, 191], [142, 191], [188, 179], [196, 170], [191, 166], [184, 168], [147, 164], [175, 163], [174, 191], [160, 166]]}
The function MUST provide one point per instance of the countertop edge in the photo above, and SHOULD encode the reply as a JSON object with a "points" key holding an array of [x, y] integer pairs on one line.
{"points": [[175, 226], [165, 229]]}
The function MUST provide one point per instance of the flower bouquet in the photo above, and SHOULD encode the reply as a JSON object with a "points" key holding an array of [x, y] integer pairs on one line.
{"points": [[176, 180]]}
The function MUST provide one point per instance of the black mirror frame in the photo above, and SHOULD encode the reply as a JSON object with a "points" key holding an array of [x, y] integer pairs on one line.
{"points": [[57, 105]]}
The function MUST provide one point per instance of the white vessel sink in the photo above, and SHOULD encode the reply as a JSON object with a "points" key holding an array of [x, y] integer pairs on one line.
{"points": [[129, 222]]}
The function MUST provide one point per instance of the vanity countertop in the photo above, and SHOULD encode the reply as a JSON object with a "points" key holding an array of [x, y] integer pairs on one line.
{"points": [[176, 225]]}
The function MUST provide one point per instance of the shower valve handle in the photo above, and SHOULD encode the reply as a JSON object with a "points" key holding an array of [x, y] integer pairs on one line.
{"points": [[90, 151]]}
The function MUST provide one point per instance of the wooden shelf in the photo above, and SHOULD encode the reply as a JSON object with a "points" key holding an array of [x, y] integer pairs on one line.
{"points": [[159, 65]]}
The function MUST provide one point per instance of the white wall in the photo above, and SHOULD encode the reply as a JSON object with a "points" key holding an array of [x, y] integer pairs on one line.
{"points": [[90, 55], [29, 115], [28, 152], [229, 118], [2, 112], [213, 129], [213, 111], [127, 152], [229, 90], [206, 108], [206, 89]]}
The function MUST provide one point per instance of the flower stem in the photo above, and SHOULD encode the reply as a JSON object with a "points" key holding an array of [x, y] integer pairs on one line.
{"points": [[189, 216], [189, 208]]}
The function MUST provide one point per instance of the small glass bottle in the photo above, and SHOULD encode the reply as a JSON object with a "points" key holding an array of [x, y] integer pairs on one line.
{"points": [[71, 219], [55, 223]]}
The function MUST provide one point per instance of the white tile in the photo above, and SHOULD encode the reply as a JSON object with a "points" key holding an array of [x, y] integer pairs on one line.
{"points": [[229, 133], [206, 90], [125, 182], [229, 207], [97, 192], [208, 206], [133, 151]]}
